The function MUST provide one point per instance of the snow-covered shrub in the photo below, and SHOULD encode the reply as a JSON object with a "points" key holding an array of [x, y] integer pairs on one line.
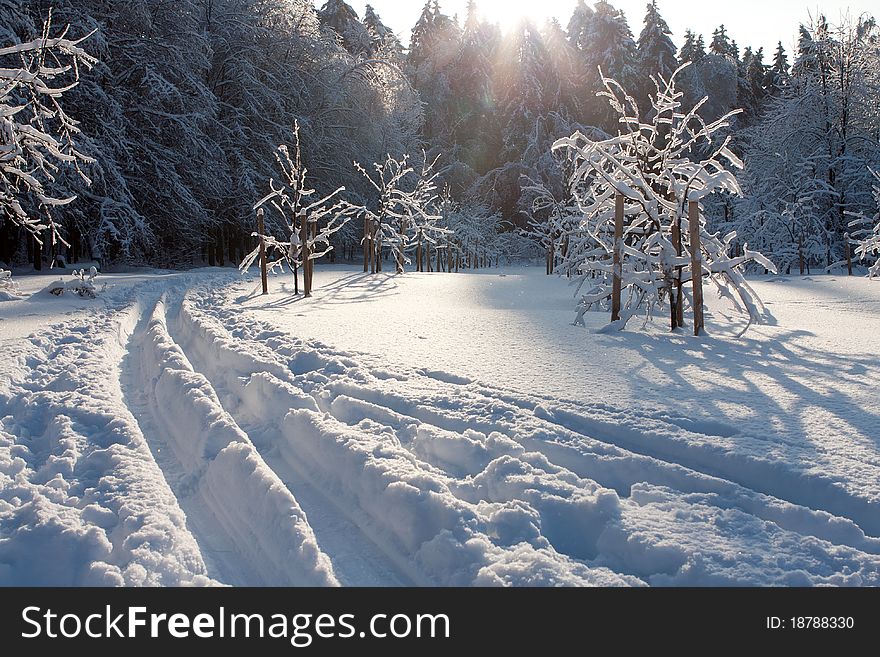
{"points": [[8, 287], [657, 167], [291, 200], [405, 209], [83, 284], [867, 233]]}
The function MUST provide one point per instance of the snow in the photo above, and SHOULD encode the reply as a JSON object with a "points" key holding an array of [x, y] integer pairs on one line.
{"points": [[433, 429]]}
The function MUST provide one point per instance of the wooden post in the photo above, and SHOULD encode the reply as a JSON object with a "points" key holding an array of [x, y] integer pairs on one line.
{"points": [[696, 265], [312, 232], [617, 282], [261, 230], [677, 318], [304, 251], [366, 243], [848, 251]]}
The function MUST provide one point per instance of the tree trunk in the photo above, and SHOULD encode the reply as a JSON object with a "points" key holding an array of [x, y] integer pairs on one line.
{"points": [[848, 252], [678, 303], [218, 246], [801, 253], [38, 254], [366, 244]]}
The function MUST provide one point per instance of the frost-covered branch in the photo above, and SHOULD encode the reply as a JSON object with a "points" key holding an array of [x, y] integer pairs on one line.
{"points": [[405, 210], [655, 166], [37, 137], [296, 205]]}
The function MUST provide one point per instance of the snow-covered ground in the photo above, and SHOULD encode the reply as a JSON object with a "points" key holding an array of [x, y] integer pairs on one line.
{"points": [[434, 429]]}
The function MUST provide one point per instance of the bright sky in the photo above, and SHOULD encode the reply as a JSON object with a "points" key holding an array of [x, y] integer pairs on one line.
{"points": [[750, 22]]}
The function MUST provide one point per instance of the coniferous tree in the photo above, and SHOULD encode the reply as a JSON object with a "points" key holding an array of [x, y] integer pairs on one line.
{"points": [[339, 16], [721, 44], [609, 46], [470, 79], [656, 52]]}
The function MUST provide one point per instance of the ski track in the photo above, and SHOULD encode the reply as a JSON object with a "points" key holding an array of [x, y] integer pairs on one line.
{"points": [[269, 460], [637, 455], [357, 561]]}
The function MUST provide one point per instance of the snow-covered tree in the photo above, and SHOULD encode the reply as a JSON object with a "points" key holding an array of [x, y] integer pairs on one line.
{"points": [[382, 37], [721, 44], [689, 50], [778, 74], [866, 233], [567, 66], [343, 19], [405, 209], [652, 166], [609, 45], [304, 220], [37, 137], [473, 118], [657, 54], [528, 87], [822, 126]]}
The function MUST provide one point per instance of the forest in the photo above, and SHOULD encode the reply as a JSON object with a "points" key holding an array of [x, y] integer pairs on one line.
{"points": [[173, 113], [291, 298]]}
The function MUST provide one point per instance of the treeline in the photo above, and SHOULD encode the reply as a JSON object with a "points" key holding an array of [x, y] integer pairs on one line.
{"points": [[182, 116], [190, 99]]}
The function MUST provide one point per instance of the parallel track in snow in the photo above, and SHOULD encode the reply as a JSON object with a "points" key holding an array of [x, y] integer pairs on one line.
{"points": [[297, 464], [431, 417], [356, 559]]}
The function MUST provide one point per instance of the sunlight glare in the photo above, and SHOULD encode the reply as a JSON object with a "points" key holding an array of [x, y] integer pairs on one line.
{"points": [[508, 13]]}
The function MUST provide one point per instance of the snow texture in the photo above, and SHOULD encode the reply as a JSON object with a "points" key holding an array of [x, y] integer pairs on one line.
{"points": [[180, 429]]}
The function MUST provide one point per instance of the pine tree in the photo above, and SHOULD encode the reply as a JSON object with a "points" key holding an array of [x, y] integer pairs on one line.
{"points": [[343, 19], [780, 61], [688, 50], [607, 45], [470, 80], [700, 49], [382, 37], [778, 72], [611, 43], [422, 38], [579, 25], [721, 44], [528, 87], [567, 65], [435, 38], [656, 52]]}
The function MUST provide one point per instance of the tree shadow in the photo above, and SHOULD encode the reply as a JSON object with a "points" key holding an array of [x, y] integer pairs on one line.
{"points": [[807, 386], [356, 287]]}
